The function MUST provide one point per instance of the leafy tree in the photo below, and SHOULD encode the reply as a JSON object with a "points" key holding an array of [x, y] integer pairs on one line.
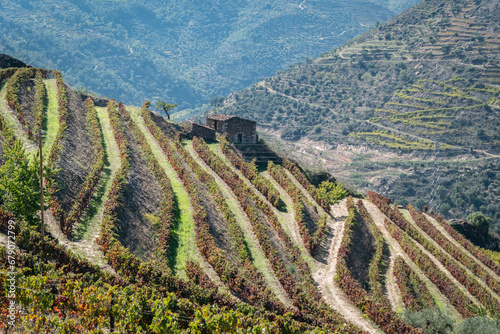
{"points": [[445, 208], [332, 192], [480, 221], [20, 183], [432, 321], [165, 107], [478, 325]]}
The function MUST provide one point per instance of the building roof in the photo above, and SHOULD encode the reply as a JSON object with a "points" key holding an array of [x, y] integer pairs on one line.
{"points": [[220, 117], [202, 125]]}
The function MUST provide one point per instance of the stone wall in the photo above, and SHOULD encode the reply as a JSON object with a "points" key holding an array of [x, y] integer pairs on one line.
{"points": [[241, 131], [202, 131]]}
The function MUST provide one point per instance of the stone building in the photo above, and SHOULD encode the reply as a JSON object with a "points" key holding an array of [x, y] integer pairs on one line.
{"points": [[200, 130], [238, 130]]}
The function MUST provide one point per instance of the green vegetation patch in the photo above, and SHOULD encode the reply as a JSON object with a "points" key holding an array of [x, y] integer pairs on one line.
{"points": [[391, 140], [51, 125]]}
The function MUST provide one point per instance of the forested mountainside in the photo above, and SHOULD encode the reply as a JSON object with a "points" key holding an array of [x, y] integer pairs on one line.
{"points": [[148, 231], [180, 51], [409, 108]]}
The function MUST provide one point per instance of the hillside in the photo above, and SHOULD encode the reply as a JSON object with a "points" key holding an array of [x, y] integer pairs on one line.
{"points": [[409, 108], [185, 52], [150, 232]]}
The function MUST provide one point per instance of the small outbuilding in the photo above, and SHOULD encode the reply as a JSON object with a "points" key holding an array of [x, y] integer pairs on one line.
{"points": [[202, 131], [239, 130]]}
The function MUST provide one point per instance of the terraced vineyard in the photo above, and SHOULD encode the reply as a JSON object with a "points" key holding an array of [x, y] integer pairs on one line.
{"points": [[186, 236], [409, 109]]}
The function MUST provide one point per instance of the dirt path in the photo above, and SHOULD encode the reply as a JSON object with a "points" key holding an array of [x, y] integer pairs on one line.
{"points": [[293, 229], [322, 273], [478, 280], [260, 261], [85, 249], [457, 244], [395, 249], [87, 230], [325, 274], [392, 288]]}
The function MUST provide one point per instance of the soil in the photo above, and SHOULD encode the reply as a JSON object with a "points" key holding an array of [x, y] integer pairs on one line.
{"points": [[392, 289], [2, 142], [364, 249], [27, 99], [142, 196], [77, 155], [323, 266], [170, 129], [218, 227]]}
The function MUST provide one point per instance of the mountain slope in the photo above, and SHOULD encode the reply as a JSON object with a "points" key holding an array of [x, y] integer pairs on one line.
{"points": [[185, 52], [186, 236], [414, 99]]}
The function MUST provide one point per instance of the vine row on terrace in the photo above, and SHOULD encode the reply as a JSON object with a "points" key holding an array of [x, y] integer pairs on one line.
{"points": [[299, 286], [379, 310]]}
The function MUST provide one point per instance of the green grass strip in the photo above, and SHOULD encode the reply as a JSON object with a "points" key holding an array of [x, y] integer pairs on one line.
{"points": [[51, 124], [88, 227], [183, 239]]}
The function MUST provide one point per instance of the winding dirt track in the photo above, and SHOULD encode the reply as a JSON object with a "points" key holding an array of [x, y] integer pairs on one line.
{"points": [[86, 247], [392, 288], [324, 276]]}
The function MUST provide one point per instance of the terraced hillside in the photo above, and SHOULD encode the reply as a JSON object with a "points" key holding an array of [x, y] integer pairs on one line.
{"points": [[151, 232], [415, 98]]}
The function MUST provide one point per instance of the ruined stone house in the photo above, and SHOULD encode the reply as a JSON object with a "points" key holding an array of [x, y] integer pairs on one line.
{"points": [[238, 130]]}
